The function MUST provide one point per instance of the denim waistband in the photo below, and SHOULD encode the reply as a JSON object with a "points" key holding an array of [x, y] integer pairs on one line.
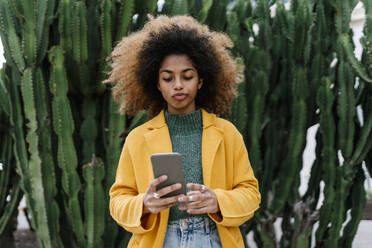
{"points": [[193, 223]]}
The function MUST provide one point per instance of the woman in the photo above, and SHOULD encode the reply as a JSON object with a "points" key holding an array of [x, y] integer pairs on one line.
{"points": [[181, 73]]}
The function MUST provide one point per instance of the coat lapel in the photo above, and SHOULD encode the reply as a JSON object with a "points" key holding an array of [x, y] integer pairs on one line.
{"points": [[211, 140], [157, 138]]}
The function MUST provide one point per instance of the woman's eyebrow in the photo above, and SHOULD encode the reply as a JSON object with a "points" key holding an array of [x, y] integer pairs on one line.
{"points": [[169, 71], [187, 69]]}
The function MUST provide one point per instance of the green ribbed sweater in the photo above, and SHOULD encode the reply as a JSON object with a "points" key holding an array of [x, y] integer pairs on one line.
{"points": [[186, 136]]}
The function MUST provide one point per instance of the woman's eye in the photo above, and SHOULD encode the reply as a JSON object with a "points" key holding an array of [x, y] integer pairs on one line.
{"points": [[167, 79], [187, 78]]}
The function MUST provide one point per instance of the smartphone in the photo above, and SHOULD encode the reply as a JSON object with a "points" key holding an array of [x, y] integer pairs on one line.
{"points": [[169, 164]]}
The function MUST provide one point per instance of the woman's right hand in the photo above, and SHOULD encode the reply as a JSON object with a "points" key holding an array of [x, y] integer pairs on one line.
{"points": [[152, 203]]}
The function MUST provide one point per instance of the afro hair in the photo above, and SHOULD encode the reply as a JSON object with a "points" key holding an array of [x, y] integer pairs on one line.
{"points": [[137, 58]]}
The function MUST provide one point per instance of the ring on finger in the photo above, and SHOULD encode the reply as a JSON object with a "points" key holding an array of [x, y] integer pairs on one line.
{"points": [[203, 188], [156, 195]]}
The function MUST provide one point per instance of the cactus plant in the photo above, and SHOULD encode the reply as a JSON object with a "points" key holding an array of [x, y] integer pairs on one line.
{"points": [[10, 190], [289, 46], [289, 86]]}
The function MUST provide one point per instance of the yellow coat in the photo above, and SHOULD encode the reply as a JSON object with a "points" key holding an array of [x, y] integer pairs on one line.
{"points": [[226, 170]]}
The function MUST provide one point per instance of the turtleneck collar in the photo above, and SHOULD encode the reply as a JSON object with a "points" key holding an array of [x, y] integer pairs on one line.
{"points": [[188, 123]]}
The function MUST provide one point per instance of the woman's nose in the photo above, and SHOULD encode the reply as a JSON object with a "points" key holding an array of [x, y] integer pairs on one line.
{"points": [[178, 84]]}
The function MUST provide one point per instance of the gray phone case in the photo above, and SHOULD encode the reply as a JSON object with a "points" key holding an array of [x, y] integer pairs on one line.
{"points": [[169, 164]]}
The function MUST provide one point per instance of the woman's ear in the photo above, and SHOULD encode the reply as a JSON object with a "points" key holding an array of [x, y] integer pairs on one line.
{"points": [[200, 83]]}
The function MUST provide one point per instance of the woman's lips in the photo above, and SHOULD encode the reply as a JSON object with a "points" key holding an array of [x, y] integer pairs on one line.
{"points": [[180, 96]]}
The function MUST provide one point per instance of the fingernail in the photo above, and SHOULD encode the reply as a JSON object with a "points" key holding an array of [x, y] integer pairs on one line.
{"points": [[164, 177], [181, 198], [178, 185]]}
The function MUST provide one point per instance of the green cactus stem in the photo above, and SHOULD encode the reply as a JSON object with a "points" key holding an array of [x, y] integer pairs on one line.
{"points": [[88, 129], [207, 4], [47, 161], [35, 171], [338, 211], [10, 190], [356, 65], [124, 18], [295, 141], [345, 109], [11, 41], [358, 200], [94, 206], [325, 100], [63, 126], [216, 19]]}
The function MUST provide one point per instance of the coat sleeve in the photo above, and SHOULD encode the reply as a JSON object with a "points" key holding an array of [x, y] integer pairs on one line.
{"points": [[126, 204], [238, 204]]}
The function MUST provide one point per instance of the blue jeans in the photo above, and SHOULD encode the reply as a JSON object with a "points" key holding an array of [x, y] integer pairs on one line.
{"points": [[192, 232]]}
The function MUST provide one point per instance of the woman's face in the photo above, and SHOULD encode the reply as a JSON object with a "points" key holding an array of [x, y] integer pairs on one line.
{"points": [[179, 83]]}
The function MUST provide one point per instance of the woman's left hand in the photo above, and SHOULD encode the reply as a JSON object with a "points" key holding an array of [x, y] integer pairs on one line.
{"points": [[203, 200]]}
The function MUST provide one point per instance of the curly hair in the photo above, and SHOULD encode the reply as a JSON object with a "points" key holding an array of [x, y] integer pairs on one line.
{"points": [[137, 58]]}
